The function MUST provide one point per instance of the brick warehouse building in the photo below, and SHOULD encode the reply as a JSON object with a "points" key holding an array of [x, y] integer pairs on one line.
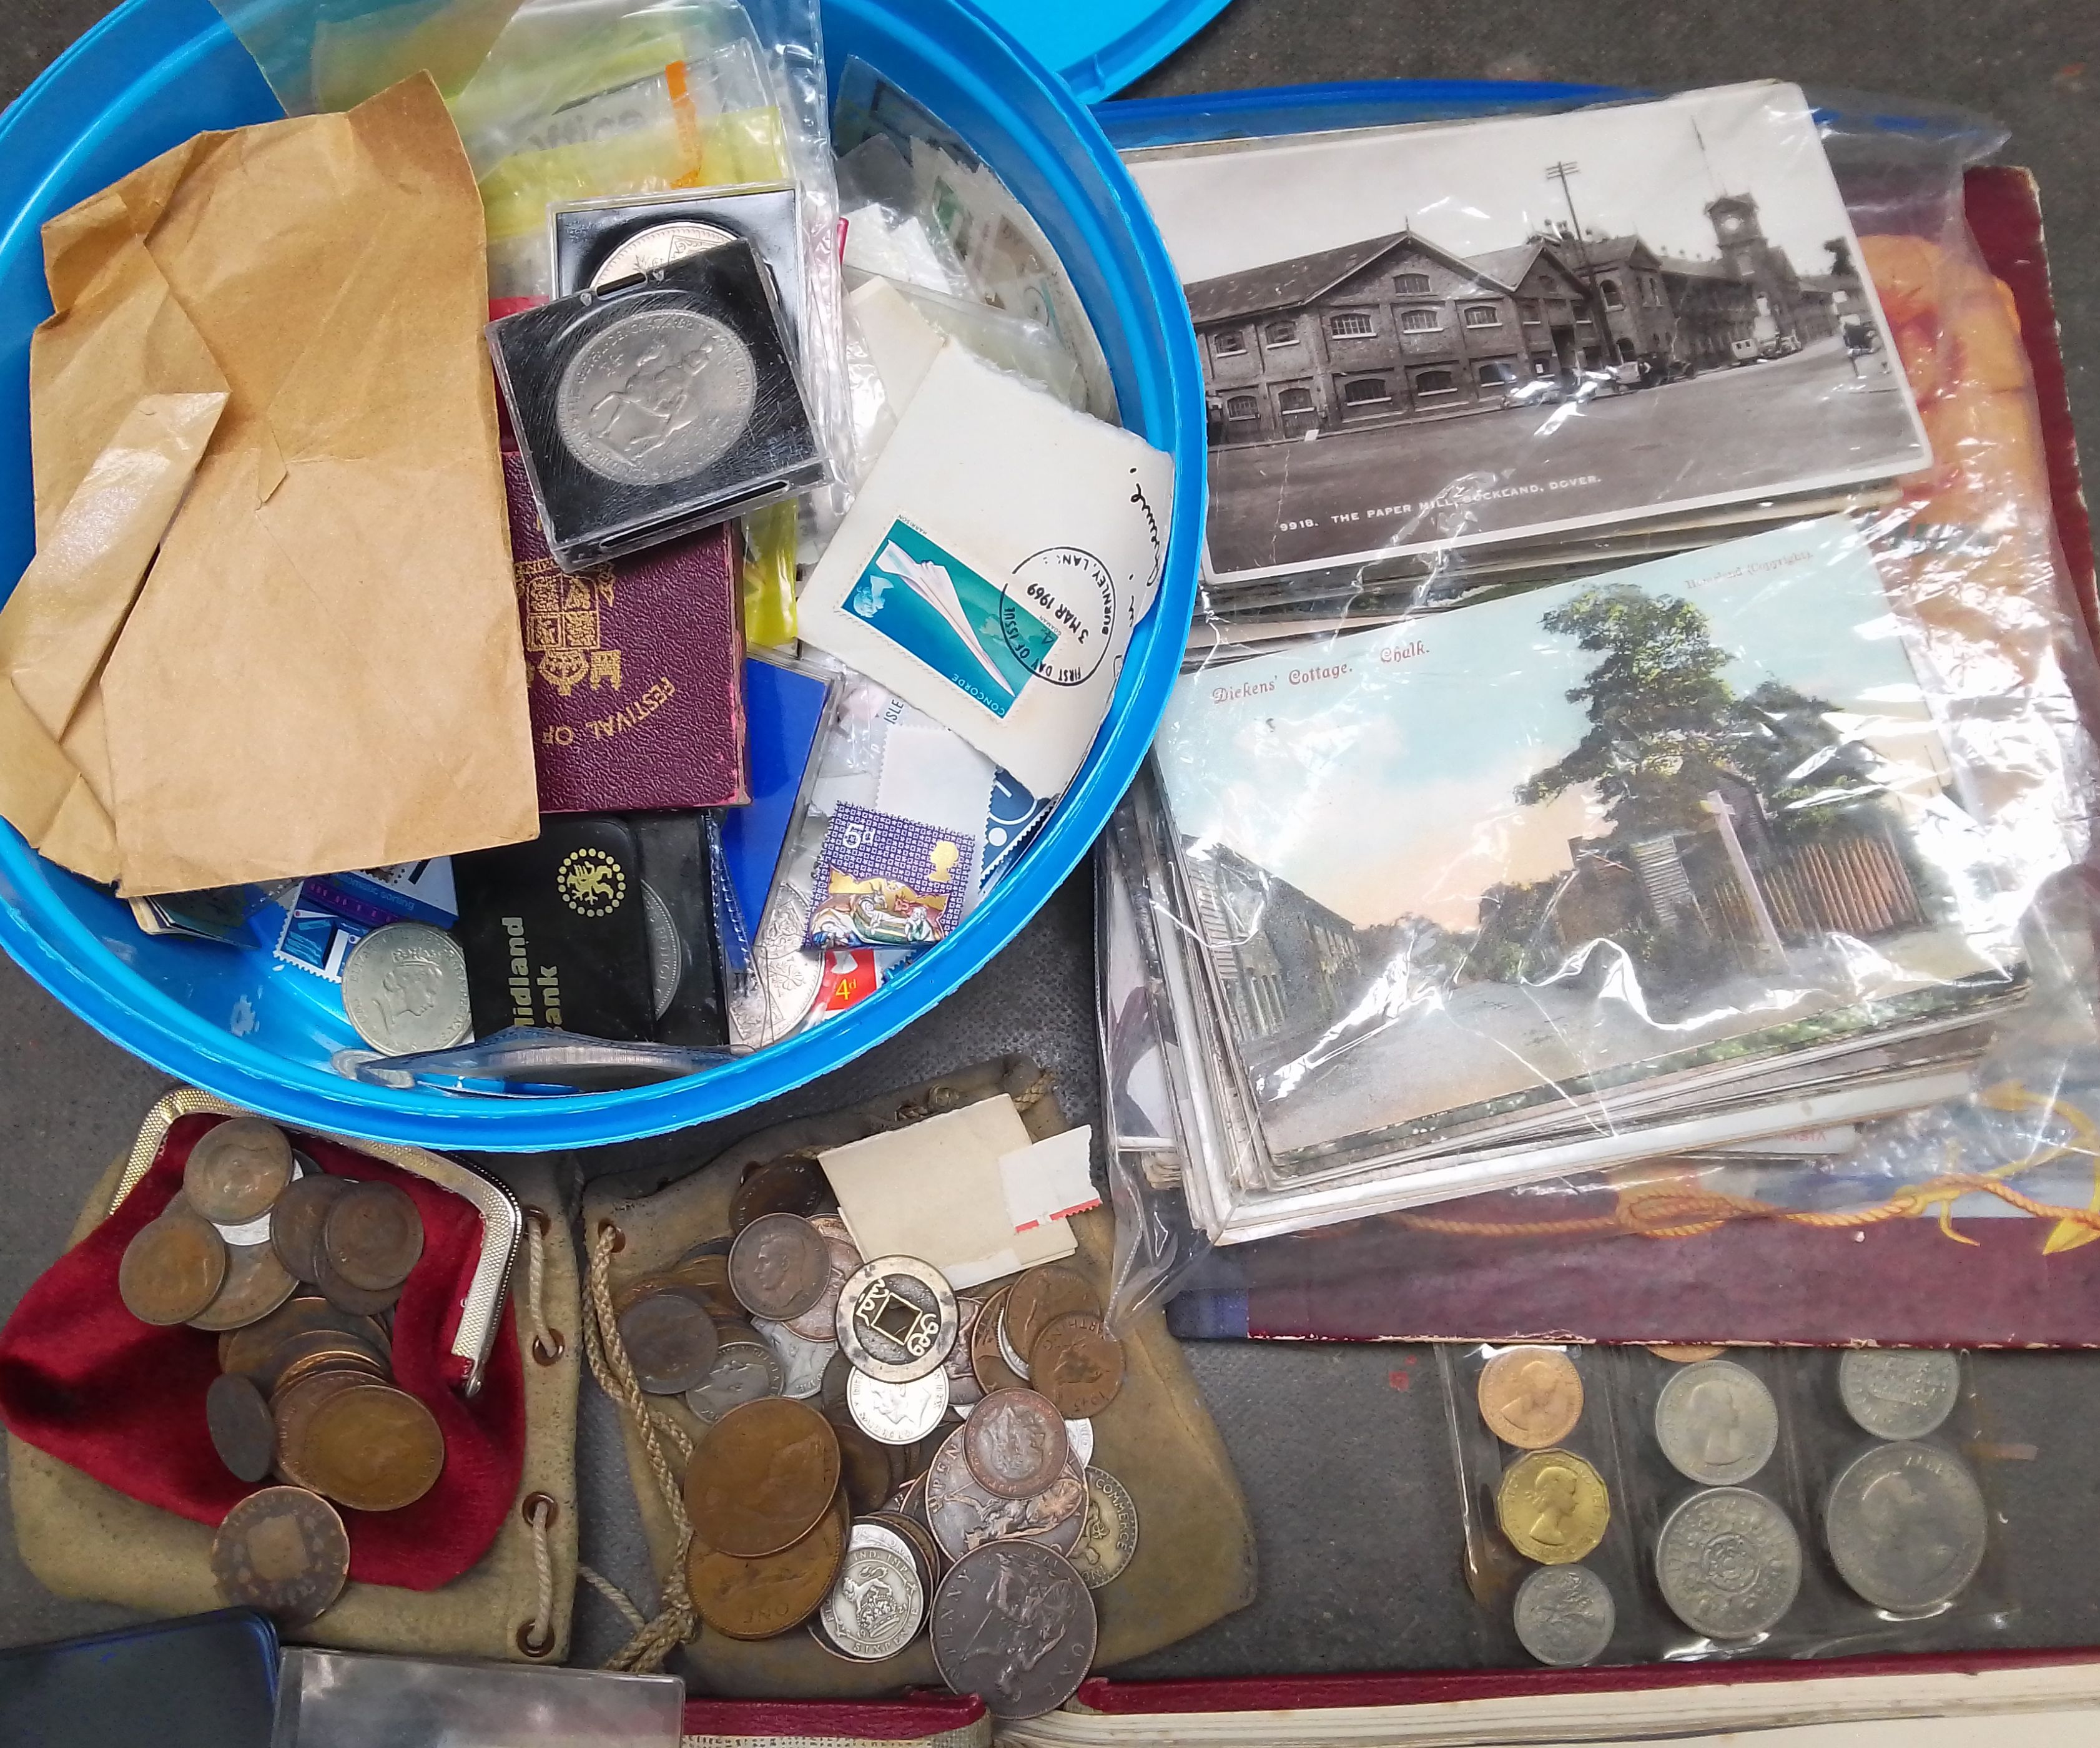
{"points": [[1395, 329]]}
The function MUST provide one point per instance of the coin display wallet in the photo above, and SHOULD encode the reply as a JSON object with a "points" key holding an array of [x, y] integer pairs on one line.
{"points": [[665, 404]]}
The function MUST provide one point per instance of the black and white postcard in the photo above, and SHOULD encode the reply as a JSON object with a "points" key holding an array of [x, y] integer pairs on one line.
{"points": [[1454, 334]]}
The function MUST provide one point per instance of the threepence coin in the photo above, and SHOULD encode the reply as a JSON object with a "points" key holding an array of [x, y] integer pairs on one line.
{"points": [[1553, 1507], [779, 1266], [655, 397], [1109, 1539], [1728, 1562], [659, 246], [1678, 1354], [1014, 1624], [1564, 1616], [283, 1552], [1899, 1393], [897, 1414], [1530, 1397], [1717, 1423], [762, 1478], [878, 1605], [1906, 1526], [404, 988], [237, 1170], [896, 1318]]}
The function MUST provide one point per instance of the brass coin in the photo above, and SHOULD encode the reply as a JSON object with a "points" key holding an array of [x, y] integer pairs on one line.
{"points": [[1077, 1364], [372, 1236], [172, 1268], [758, 1598], [374, 1448], [1679, 1355], [256, 1284], [283, 1551], [991, 1371], [778, 1266], [671, 1341], [780, 1186], [1530, 1397], [242, 1431], [1553, 1507], [1015, 1444], [294, 1353], [347, 1297], [1040, 1295], [237, 1170], [296, 1218], [248, 1349], [762, 1476], [292, 1410]]}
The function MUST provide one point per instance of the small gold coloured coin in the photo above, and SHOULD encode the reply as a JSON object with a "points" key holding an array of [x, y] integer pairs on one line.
{"points": [[1531, 1397], [1553, 1507]]}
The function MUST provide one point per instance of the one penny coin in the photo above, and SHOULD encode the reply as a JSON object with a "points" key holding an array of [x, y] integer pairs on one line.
{"points": [[248, 1349], [348, 1297], [780, 1186], [1531, 1397], [296, 1218], [1041, 1296], [256, 1284], [779, 1266], [1077, 1364], [1014, 1442], [292, 1410], [374, 1448], [762, 1476], [671, 1341], [758, 1598], [283, 1551], [242, 1431], [237, 1170], [372, 1236], [298, 1354], [172, 1268]]}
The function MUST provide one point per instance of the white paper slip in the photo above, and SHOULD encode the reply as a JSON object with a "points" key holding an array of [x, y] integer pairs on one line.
{"points": [[933, 775], [1053, 1180]]}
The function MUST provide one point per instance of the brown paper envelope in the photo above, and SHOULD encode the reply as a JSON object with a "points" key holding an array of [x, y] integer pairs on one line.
{"points": [[322, 670]]}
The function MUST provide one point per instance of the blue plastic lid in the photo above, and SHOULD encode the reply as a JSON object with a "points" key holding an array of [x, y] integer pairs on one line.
{"points": [[1100, 45]]}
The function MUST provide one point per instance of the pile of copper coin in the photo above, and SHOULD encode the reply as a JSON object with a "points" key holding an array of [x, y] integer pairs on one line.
{"points": [[881, 1456], [305, 1394]]}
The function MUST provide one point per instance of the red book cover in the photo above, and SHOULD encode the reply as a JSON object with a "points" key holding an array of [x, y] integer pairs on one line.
{"points": [[634, 670]]}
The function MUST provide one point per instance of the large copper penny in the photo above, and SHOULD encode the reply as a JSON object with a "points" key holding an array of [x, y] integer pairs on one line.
{"points": [[1530, 1397], [778, 1266], [298, 1354], [1039, 1297], [256, 1284], [671, 1341], [172, 1268], [372, 1236], [237, 1170], [780, 1186], [292, 1411], [283, 1551], [762, 1476], [1014, 1442], [758, 1598], [990, 1371], [242, 1431], [296, 1218], [1077, 1364], [1015, 1625], [347, 1297], [374, 1448], [964, 1514], [248, 1349]]}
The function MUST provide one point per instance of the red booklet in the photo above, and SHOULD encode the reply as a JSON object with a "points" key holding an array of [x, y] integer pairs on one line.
{"points": [[634, 670]]}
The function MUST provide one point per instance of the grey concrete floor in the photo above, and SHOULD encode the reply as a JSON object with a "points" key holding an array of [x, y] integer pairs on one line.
{"points": [[1355, 1506]]}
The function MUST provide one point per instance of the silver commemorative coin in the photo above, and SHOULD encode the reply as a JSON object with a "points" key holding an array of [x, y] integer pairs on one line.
{"points": [[667, 952], [404, 988], [1564, 1616], [802, 1361], [1728, 1563], [745, 1370], [784, 981], [896, 1318], [1109, 1540], [1906, 1526], [659, 246], [897, 1414], [1014, 1625], [877, 1605], [1716, 1422], [1899, 1393], [655, 396]]}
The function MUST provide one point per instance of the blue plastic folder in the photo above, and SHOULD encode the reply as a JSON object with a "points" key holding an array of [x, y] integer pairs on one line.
{"points": [[784, 709]]}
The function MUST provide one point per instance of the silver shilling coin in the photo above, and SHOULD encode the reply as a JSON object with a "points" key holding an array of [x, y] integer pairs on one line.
{"points": [[745, 1370], [897, 1414], [785, 979], [802, 1361], [1899, 1393], [655, 396], [404, 988], [1716, 1422], [659, 246], [1906, 1526], [1728, 1563], [877, 1605], [1109, 1539], [1564, 1616], [896, 1318]]}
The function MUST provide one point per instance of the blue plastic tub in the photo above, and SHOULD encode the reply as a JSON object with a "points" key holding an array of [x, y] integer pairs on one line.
{"points": [[156, 72]]}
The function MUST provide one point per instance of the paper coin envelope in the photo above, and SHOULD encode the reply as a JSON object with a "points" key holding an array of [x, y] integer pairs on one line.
{"points": [[995, 563]]}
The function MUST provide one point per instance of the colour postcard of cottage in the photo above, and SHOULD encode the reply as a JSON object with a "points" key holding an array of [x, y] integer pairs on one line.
{"points": [[1510, 851], [1451, 334]]}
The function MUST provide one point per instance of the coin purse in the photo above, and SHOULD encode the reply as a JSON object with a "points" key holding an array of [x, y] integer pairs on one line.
{"points": [[665, 404], [123, 1401]]}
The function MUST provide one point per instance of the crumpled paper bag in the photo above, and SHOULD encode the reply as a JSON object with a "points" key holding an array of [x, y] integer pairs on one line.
{"points": [[270, 628]]}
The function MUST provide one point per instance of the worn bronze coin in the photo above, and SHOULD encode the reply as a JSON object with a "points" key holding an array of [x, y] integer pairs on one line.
{"points": [[238, 1419], [758, 1597], [292, 1410], [372, 1236], [296, 1218], [778, 1266], [1015, 1443], [248, 1349], [1014, 1625], [292, 1354], [1039, 1297], [1077, 1364], [990, 1369], [237, 1170], [964, 1514], [963, 1389], [374, 1448], [256, 1284], [1679, 1354], [172, 1268], [282, 1551], [354, 1361], [780, 1186], [820, 1321], [1530, 1397], [762, 1476], [868, 1468], [346, 1296], [671, 1341]]}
